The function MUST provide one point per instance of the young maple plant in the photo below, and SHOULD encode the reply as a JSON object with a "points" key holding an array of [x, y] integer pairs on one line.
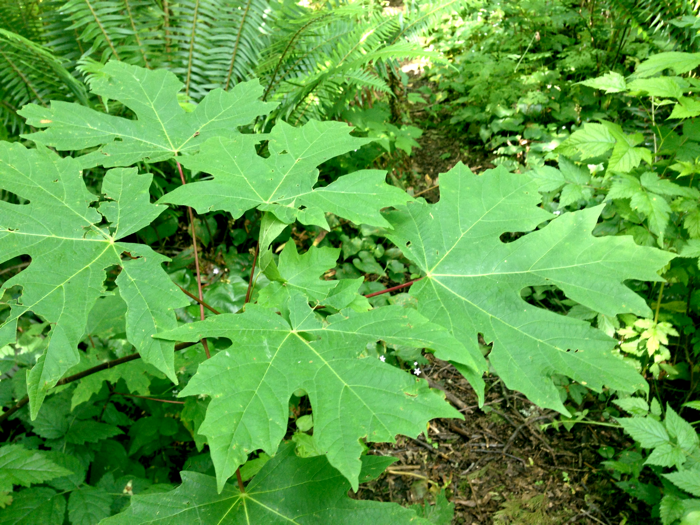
{"points": [[302, 335]]}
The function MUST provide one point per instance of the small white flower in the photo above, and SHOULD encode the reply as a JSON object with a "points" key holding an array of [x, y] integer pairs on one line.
{"points": [[382, 358], [557, 212], [415, 363], [417, 371], [216, 271]]}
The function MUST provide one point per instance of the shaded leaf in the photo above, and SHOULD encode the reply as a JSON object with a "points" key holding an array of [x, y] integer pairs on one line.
{"points": [[88, 506], [287, 490], [19, 466], [473, 281], [284, 182], [33, 506], [352, 397], [70, 251]]}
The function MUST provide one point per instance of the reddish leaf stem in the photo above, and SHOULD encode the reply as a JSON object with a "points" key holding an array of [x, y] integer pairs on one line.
{"points": [[202, 303], [201, 296], [196, 261], [252, 274], [393, 288], [150, 398]]}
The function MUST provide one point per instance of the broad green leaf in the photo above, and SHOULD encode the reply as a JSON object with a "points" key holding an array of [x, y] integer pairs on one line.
{"points": [[70, 250], [591, 141], [284, 182], [686, 108], [670, 509], [648, 432], [548, 178], [625, 156], [652, 182], [108, 317], [693, 404], [634, 405], [88, 506], [352, 396], [162, 129], [33, 506], [665, 87], [576, 179], [19, 466], [473, 280], [611, 82], [678, 62], [288, 490], [300, 274], [666, 455], [680, 429], [688, 480], [646, 196]]}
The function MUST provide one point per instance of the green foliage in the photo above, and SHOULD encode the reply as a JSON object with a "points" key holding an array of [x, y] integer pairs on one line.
{"points": [[674, 445], [481, 294], [306, 58], [274, 496], [295, 342]]}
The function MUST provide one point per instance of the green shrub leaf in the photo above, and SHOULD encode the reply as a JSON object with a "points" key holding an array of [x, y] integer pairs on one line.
{"points": [[473, 280]]}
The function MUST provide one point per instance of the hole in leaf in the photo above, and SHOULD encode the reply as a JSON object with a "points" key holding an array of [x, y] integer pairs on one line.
{"points": [[13, 198], [548, 297], [509, 237]]}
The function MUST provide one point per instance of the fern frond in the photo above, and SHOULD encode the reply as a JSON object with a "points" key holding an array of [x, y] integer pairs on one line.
{"points": [[30, 73], [319, 61], [657, 16], [239, 38], [127, 30], [22, 17]]}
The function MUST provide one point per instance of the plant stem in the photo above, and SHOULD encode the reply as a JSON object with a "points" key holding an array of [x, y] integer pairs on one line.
{"points": [[252, 274], [240, 480], [394, 288], [150, 398], [201, 303], [196, 261], [85, 373]]}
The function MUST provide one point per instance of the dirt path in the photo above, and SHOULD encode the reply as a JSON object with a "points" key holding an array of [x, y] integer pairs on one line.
{"points": [[499, 467]]}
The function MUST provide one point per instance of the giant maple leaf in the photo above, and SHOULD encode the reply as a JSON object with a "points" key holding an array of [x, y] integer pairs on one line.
{"points": [[71, 244], [283, 182], [287, 490], [352, 397], [163, 129], [473, 281]]}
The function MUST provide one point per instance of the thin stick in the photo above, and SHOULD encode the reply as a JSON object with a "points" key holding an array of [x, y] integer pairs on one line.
{"points": [[202, 303], [85, 373], [394, 288], [150, 398], [252, 274], [12, 268], [411, 474], [426, 190], [196, 261]]}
